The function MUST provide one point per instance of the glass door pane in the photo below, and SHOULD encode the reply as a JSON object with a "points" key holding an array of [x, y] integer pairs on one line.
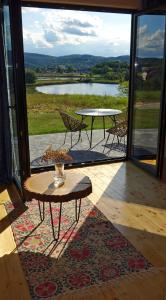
{"points": [[148, 82], [10, 90]]}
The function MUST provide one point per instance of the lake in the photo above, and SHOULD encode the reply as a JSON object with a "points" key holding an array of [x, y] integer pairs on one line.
{"points": [[81, 88]]}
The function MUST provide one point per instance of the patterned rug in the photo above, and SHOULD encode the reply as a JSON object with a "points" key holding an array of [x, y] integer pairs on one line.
{"points": [[93, 252]]}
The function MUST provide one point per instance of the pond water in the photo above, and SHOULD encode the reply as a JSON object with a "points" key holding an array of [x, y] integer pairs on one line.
{"points": [[81, 88]]}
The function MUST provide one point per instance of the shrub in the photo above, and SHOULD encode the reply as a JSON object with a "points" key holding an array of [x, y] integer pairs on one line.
{"points": [[30, 76]]}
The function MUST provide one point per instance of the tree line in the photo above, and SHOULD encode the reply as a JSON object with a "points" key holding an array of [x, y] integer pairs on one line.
{"points": [[113, 70]]}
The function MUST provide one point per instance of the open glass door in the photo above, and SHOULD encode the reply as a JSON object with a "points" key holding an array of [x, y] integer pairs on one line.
{"points": [[13, 61], [147, 91], [10, 91]]}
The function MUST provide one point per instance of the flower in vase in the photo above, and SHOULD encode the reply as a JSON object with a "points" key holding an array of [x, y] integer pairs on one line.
{"points": [[57, 156]]}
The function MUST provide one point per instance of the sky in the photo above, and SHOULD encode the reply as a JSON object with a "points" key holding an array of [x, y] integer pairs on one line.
{"points": [[60, 32], [151, 35]]}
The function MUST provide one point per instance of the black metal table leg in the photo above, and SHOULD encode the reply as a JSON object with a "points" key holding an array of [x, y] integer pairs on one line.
{"points": [[77, 209], [42, 215], [77, 216], [104, 125], [92, 121], [52, 222]]}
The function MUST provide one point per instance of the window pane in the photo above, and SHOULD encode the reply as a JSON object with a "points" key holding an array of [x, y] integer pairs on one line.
{"points": [[148, 88]]}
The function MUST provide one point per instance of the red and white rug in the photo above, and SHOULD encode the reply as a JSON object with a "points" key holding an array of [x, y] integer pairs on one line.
{"points": [[91, 253]]}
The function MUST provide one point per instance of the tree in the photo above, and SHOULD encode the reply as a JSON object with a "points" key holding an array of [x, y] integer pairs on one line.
{"points": [[59, 69], [124, 88], [88, 78], [112, 70], [30, 76], [37, 70], [70, 68], [109, 74]]}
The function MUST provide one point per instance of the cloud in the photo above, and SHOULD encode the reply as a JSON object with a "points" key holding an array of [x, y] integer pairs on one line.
{"points": [[78, 31], [61, 31], [117, 42], [51, 36], [142, 29], [156, 39], [36, 39], [76, 22], [153, 42], [71, 23]]}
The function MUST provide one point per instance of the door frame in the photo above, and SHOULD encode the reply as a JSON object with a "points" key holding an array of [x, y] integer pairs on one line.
{"points": [[20, 88], [89, 8], [162, 121], [6, 136], [19, 85]]}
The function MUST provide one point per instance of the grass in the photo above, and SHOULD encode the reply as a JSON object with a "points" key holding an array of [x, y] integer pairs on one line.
{"points": [[148, 96], [146, 118], [40, 82], [43, 117], [81, 79]]}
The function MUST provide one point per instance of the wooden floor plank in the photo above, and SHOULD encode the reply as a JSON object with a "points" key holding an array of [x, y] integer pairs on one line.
{"points": [[135, 203]]}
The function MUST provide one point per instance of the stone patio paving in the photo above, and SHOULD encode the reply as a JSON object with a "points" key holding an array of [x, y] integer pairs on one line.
{"points": [[80, 152]]}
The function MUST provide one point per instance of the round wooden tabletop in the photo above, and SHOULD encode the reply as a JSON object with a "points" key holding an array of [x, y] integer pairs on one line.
{"points": [[41, 187]]}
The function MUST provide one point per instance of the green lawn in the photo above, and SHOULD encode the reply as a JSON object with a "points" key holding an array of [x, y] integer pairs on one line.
{"points": [[146, 118], [43, 117], [148, 96]]}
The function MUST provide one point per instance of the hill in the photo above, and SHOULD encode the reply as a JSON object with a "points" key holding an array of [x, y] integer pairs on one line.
{"points": [[78, 61]]}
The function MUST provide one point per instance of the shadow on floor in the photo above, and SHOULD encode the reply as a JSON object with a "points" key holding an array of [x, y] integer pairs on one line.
{"points": [[79, 156], [116, 147]]}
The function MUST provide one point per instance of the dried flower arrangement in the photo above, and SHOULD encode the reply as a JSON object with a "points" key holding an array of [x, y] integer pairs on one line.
{"points": [[57, 156]]}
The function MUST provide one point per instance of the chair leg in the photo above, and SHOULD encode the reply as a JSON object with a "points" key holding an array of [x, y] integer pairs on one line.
{"points": [[87, 137], [71, 139], [111, 144], [65, 137], [125, 142], [106, 142], [118, 140], [112, 141], [79, 136]]}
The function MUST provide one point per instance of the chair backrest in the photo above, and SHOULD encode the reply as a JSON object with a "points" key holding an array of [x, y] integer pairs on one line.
{"points": [[70, 122], [122, 128], [123, 116], [65, 118]]}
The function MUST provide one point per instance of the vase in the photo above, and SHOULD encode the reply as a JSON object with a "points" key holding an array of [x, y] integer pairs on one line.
{"points": [[59, 169], [59, 176]]}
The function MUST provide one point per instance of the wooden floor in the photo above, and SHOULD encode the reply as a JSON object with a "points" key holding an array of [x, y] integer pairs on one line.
{"points": [[135, 203]]}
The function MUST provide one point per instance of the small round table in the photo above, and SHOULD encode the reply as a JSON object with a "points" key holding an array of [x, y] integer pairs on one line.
{"points": [[41, 187], [98, 112]]}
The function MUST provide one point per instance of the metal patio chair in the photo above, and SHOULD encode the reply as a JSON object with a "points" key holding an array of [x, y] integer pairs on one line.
{"points": [[119, 131], [73, 125]]}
